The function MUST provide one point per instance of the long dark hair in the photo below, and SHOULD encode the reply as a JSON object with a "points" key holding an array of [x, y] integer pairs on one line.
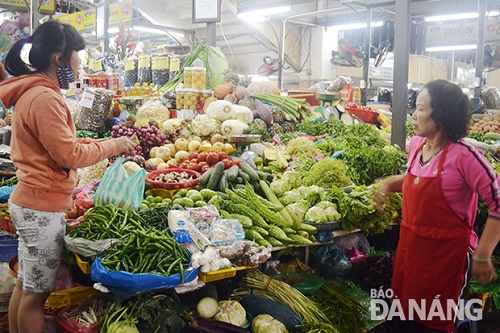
{"points": [[451, 109], [49, 38]]}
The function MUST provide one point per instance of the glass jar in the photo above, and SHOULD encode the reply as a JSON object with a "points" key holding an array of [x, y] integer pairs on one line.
{"points": [[195, 77], [187, 99]]}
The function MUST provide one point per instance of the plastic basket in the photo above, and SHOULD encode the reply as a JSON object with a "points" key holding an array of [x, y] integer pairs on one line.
{"points": [[365, 115], [221, 273], [172, 186], [70, 296], [69, 325], [4, 302], [14, 266], [85, 266], [307, 284], [8, 247]]}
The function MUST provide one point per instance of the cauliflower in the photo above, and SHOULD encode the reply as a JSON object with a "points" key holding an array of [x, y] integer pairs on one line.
{"points": [[203, 125], [131, 167]]}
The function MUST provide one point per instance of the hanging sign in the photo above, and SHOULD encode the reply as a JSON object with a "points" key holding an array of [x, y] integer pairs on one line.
{"points": [[206, 11], [47, 6], [461, 33], [118, 12]]}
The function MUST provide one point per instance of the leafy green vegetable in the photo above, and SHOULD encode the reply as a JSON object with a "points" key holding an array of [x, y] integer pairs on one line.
{"points": [[293, 178], [327, 173], [279, 187], [302, 145], [254, 128], [331, 126], [358, 210], [299, 208], [316, 214], [302, 164]]}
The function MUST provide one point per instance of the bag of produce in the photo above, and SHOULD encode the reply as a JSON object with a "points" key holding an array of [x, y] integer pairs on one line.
{"points": [[119, 189], [96, 104]]}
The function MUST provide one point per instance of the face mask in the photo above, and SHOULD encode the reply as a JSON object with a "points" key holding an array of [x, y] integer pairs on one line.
{"points": [[65, 77]]}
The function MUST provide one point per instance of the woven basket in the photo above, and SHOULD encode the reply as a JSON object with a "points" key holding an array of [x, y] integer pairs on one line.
{"points": [[8, 247]]}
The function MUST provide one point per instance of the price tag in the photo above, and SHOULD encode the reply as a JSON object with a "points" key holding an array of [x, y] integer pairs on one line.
{"points": [[160, 63], [87, 100], [98, 66], [129, 64], [175, 64], [144, 62]]}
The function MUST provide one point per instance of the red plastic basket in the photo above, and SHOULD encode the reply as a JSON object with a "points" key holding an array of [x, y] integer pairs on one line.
{"points": [[69, 325], [172, 186], [365, 115]]}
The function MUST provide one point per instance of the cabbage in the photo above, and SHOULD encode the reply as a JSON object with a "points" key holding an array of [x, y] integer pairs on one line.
{"points": [[313, 194], [279, 187], [316, 215], [231, 312], [332, 214], [293, 178], [122, 327], [325, 204], [299, 208], [291, 197], [265, 323]]}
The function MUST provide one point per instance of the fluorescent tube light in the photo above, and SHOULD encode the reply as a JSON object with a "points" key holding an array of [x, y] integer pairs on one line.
{"points": [[352, 26], [451, 48], [157, 31], [459, 16], [264, 12]]}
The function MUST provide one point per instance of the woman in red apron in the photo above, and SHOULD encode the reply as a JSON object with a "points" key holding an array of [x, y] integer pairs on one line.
{"points": [[445, 174]]}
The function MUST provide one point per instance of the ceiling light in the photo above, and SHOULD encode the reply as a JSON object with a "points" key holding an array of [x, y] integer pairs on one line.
{"points": [[459, 16], [352, 26], [158, 31], [264, 12], [451, 48]]}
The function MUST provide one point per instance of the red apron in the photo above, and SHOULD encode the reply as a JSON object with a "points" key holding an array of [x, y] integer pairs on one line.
{"points": [[432, 251]]}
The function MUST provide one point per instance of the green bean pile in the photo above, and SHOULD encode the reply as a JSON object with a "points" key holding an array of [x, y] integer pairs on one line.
{"points": [[143, 249], [102, 222], [147, 251]]}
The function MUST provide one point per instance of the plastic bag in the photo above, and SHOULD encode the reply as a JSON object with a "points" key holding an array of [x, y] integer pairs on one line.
{"points": [[331, 261], [354, 245], [5, 192], [119, 189], [89, 248], [125, 284], [96, 104], [152, 110], [224, 231]]}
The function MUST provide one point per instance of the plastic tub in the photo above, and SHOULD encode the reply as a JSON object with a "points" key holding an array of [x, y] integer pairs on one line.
{"points": [[365, 115], [171, 186], [306, 283]]}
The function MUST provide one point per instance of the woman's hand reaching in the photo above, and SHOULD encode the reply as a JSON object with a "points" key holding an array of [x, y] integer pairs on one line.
{"points": [[483, 272]]}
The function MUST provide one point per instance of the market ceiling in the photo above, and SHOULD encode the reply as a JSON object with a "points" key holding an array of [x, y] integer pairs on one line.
{"points": [[179, 13]]}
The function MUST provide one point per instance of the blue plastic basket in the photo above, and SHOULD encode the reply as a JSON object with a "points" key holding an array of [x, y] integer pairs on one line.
{"points": [[8, 247]]}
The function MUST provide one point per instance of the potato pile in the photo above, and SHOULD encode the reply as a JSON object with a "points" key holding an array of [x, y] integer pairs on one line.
{"points": [[485, 125]]}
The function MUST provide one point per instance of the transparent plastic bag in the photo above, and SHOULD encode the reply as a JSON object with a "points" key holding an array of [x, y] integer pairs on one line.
{"points": [[224, 231]]}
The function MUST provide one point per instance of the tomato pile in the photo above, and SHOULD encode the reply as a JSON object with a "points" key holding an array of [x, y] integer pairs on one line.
{"points": [[203, 161]]}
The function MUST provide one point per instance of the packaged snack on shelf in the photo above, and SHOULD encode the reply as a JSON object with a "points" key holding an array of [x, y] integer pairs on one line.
{"points": [[130, 66], [160, 68]]}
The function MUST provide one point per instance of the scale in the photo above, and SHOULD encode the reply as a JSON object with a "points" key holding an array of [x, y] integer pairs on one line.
{"points": [[327, 108], [242, 142], [131, 104]]}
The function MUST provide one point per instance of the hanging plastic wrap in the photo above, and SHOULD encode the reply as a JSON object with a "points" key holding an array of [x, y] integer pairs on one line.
{"points": [[491, 98], [160, 68], [96, 104], [130, 66], [144, 69]]}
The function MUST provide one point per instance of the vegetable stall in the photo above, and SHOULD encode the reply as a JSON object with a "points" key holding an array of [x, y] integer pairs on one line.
{"points": [[250, 212]]}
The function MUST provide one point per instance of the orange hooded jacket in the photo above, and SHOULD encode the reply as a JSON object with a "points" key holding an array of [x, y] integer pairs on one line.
{"points": [[44, 147]]}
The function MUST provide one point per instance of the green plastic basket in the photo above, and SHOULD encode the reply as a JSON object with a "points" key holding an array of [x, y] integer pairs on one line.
{"points": [[306, 283]]}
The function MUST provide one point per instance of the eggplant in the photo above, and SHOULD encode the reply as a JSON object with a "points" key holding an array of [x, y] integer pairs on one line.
{"points": [[263, 112]]}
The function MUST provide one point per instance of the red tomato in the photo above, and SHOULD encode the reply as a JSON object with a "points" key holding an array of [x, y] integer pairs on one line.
{"points": [[183, 165], [202, 156], [202, 163], [212, 158], [192, 166], [193, 156], [237, 162], [205, 168], [227, 163]]}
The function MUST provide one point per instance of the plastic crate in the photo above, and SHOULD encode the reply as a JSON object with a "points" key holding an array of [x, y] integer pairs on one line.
{"points": [[221, 274], [365, 115], [69, 325], [85, 266], [172, 186], [8, 247], [70, 296]]}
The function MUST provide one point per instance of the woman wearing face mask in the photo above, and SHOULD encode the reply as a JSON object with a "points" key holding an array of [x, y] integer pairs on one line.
{"points": [[437, 246], [46, 153]]}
